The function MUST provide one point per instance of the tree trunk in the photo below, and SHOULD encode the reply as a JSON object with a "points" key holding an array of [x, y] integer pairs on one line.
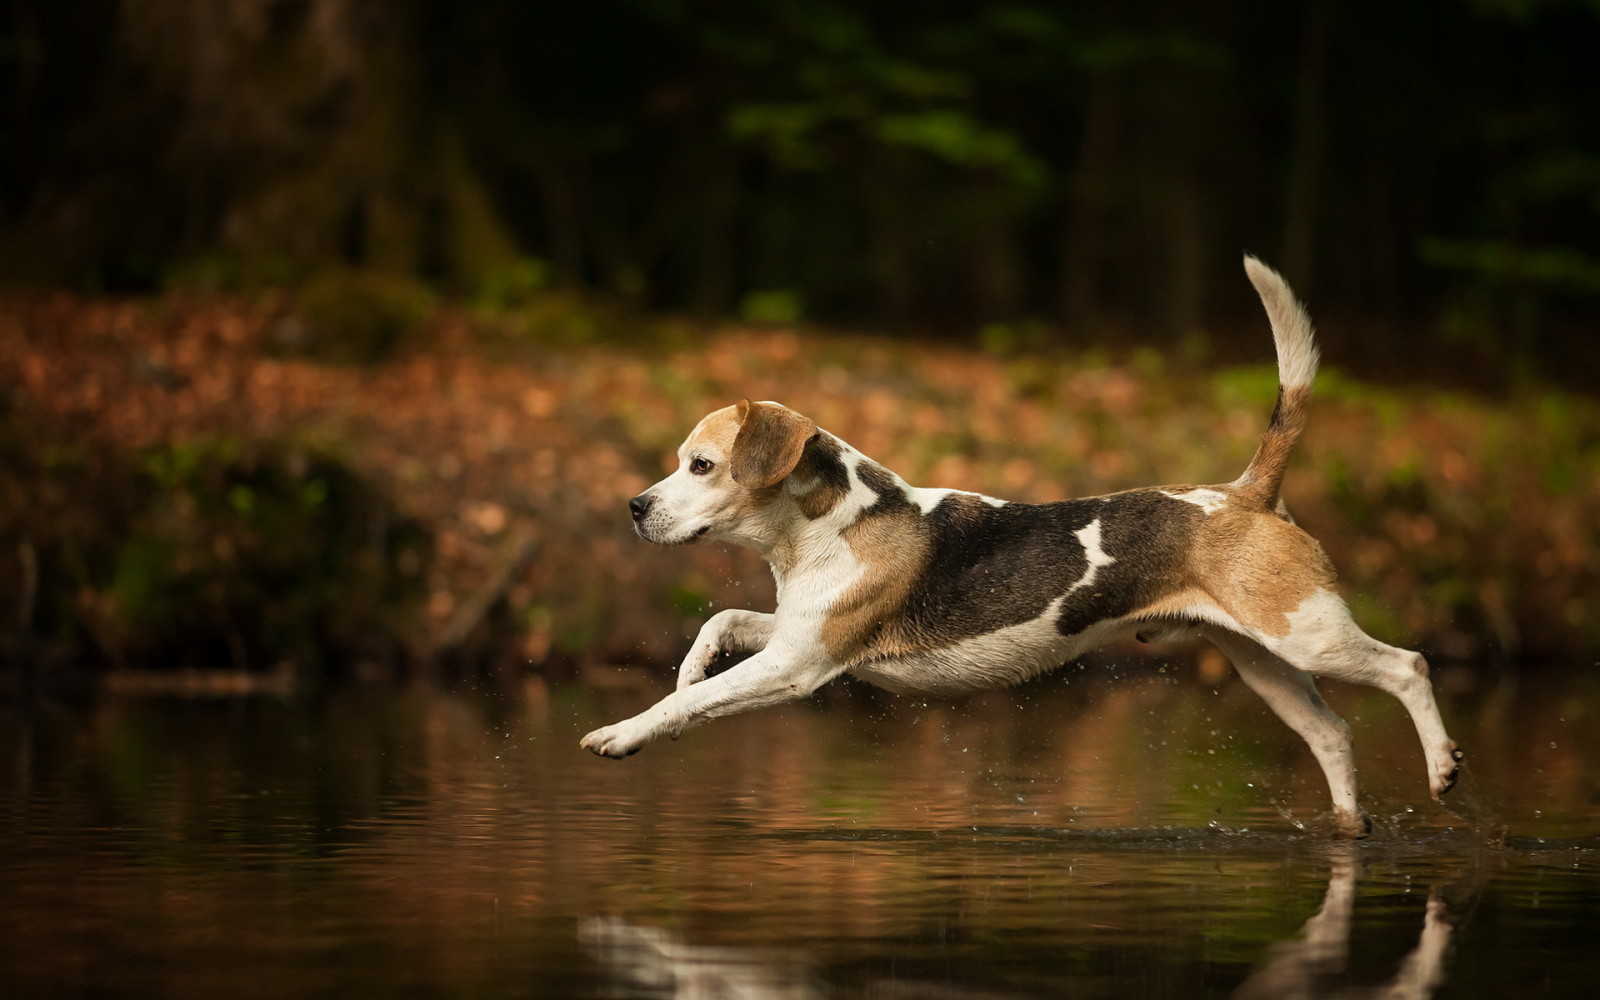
{"points": [[1185, 230], [1082, 240], [563, 218], [1305, 160], [891, 248], [996, 260], [714, 279]]}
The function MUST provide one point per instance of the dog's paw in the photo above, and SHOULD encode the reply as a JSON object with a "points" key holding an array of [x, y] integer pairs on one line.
{"points": [[1351, 826], [612, 741], [1446, 772]]}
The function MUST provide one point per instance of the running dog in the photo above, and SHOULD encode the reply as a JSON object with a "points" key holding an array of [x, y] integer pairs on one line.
{"points": [[941, 591]]}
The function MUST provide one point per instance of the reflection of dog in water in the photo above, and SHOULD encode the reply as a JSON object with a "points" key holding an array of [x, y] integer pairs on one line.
{"points": [[940, 591], [1313, 965], [659, 963]]}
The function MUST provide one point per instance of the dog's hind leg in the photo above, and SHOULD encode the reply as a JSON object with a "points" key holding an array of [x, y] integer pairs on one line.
{"points": [[727, 631], [1324, 640], [1294, 697]]}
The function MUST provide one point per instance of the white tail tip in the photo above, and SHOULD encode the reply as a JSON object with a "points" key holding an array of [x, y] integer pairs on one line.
{"points": [[1291, 326]]}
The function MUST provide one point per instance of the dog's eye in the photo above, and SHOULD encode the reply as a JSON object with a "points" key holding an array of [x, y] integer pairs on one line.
{"points": [[700, 465]]}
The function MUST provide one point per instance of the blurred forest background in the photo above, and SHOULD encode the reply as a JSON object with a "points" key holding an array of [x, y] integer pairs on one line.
{"points": [[336, 333]]}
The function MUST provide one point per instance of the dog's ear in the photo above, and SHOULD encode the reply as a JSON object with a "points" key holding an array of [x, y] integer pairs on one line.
{"points": [[768, 446]]}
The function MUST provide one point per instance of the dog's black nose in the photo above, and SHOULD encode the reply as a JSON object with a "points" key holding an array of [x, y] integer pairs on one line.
{"points": [[640, 505]]}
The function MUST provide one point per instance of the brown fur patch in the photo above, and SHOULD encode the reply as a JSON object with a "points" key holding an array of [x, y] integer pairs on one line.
{"points": [[716, 432], [769, 444], [1257, 567], [1177, 604], [893, 549]]}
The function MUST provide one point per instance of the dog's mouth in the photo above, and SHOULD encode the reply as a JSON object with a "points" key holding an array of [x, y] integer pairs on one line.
{"points": [[688, 539]]}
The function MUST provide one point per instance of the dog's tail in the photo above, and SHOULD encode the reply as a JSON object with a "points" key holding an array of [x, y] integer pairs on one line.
{"points": [[1297, 366]]}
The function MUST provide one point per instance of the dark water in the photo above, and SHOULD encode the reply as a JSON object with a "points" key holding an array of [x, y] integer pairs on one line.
{"points": [[1153, 838]]}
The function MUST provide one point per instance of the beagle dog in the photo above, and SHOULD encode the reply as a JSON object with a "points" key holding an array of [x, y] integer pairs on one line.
{"points": [[942, 591]]}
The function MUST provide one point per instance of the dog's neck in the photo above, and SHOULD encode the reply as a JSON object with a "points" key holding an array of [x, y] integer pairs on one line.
{"points": [[807, 548], [802, 534]]}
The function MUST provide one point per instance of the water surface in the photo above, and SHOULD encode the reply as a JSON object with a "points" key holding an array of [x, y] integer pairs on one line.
{"points": [[1153, 837]]}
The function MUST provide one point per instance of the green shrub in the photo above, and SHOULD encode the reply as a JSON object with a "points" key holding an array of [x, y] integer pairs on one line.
{"points": [[203, 555], [354, 317]]}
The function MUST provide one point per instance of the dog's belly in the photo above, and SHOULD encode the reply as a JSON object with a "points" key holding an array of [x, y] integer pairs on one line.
{"points": [[995, 659]]}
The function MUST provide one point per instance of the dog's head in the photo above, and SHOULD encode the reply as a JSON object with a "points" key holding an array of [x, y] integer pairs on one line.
{"points": [[729, 469]]}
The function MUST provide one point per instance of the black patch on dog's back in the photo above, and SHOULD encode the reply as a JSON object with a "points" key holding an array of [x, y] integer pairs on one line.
{"points": [[993, 567], [891, 496], [996, 566], [1146, 533]]}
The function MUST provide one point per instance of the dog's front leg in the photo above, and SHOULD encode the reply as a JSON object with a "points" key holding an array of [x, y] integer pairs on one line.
{"points": [[770, 677], [729, 631]]}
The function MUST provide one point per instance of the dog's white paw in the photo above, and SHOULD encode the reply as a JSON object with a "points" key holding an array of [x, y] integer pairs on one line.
{"points": [[1351, 826], [613, 741], [1446, 770]]}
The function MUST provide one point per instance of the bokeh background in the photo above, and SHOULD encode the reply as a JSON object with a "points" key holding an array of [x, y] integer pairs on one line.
{"points": [[336, 333]]}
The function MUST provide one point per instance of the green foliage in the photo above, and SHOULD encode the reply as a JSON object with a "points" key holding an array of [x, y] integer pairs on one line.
{"points": [[514, 285], [852, 79], [284, 553], [777, 307], [355, 317], [957, 138], [220, 553], [1552, 269], [794, 135], [787, 132], [221, 272]]}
